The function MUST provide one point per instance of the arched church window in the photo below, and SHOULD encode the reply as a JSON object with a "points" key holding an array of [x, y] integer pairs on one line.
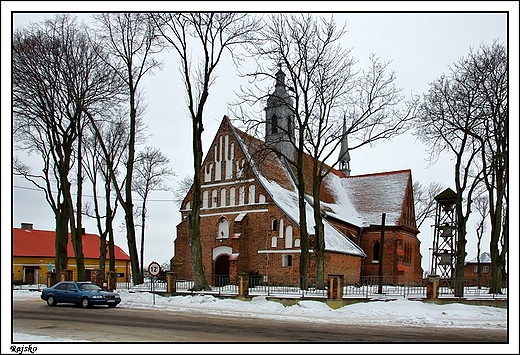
{"points": [[223, 228], [205, 199], [274, 124], [375, 252]]}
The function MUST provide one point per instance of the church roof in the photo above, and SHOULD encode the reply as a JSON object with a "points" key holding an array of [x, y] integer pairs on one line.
{"points": [[276, 179], [375, 194]]}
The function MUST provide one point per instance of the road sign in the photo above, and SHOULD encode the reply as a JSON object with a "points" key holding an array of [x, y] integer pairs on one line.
{"points": [[154, 268]]}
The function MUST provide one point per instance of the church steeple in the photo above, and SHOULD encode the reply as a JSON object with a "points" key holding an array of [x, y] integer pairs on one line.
{"points": [[344, 156], [279, 116]]}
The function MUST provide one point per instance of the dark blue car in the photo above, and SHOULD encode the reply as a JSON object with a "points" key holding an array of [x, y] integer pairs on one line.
{"points": [[84, 294]]}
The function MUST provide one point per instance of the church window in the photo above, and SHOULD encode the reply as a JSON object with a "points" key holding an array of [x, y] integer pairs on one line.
{"points": [[274, 124], [288, 237], [232, 196], [485, 269], [274, 241], [296, 243], [261, 198], [223, 229], [241, 195], [287, 260], [274, 225], [375, 252], [223, 197], [205, 197], [188, 205], [251, 194], [214, 198], [281, 228]]}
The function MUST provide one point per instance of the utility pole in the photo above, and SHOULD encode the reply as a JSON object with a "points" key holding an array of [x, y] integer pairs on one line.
{"points": [[382, 243]]}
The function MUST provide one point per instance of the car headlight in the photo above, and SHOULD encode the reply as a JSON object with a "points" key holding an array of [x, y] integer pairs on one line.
{"points": [[97, 296]]}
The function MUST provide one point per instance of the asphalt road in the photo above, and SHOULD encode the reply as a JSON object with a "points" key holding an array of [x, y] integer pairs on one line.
{"points": [[103, 324]]}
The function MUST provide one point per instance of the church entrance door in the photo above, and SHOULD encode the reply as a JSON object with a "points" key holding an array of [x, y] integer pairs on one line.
{"points": [[221, 270]]}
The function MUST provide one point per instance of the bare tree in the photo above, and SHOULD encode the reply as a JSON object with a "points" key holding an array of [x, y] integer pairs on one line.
{"points": [[448, 121], [424, 200], [114, 130], [482, 207], [329, 101], [489, 67], [56, 75], [151, 169], [183, 186], [131, 42], [212, 35]]}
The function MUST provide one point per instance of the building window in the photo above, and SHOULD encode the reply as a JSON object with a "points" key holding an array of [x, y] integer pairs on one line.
{"points": [[375, 253], [223, 228], [274, 225], [214, 198], [252, 194], [205, 199], [223, 197], [274, 242], [241, 195], [288, 237], [475, 269], [232, 196], [274, 124], [287, 260], [485, 269]]}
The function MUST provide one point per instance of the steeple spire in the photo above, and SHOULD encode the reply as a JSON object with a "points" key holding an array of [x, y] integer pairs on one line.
{"points": [[280, 76], [344, 156], [280, 118]]}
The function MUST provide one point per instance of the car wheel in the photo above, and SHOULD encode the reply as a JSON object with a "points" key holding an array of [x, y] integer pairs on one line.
{"points": [[85, 303], [51, 301], [112, 305]]}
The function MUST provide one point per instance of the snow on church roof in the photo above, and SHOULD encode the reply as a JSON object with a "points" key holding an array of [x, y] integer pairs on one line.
{"points": [[276, 179], [375, 194]]}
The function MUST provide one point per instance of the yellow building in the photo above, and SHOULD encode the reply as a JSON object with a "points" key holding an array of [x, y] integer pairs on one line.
{"points": [[34, 253]]}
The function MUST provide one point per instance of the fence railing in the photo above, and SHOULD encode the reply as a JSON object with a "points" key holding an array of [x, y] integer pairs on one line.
{"points": [[367, 287]]}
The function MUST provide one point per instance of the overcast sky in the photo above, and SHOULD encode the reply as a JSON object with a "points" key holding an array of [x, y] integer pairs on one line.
{"points": [[420, 45]]}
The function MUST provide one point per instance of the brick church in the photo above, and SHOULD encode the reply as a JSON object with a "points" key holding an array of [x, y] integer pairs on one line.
{"points": [[250, 217]]}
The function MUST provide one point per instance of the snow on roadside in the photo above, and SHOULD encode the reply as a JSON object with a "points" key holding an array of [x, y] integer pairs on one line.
{"points": [[398, 311]]}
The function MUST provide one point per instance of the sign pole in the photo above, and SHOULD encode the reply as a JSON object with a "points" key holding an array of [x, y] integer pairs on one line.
{"points": [[154, 269]]}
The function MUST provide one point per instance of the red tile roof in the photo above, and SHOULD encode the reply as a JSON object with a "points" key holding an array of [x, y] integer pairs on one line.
{"points": [[40, 243]]}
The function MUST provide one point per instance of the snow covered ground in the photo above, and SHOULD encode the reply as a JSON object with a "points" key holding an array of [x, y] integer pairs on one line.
{"points": [[390, 311]]}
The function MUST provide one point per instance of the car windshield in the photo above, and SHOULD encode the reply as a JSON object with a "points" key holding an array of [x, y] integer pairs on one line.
{"points": [[90, 287]]}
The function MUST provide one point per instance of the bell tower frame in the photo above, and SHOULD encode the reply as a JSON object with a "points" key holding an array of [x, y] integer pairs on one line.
{"points": [[445, 236]]}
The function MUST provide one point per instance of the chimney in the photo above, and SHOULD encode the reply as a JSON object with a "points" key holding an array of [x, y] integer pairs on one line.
{"points": [[27, 226]]}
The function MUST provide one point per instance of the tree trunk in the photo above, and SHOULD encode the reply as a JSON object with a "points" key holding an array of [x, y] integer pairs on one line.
{"points": [[143, 220], [460, 260], [194, 218], [304, 237], [62, 238], [77, 233], [319, 231]]}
